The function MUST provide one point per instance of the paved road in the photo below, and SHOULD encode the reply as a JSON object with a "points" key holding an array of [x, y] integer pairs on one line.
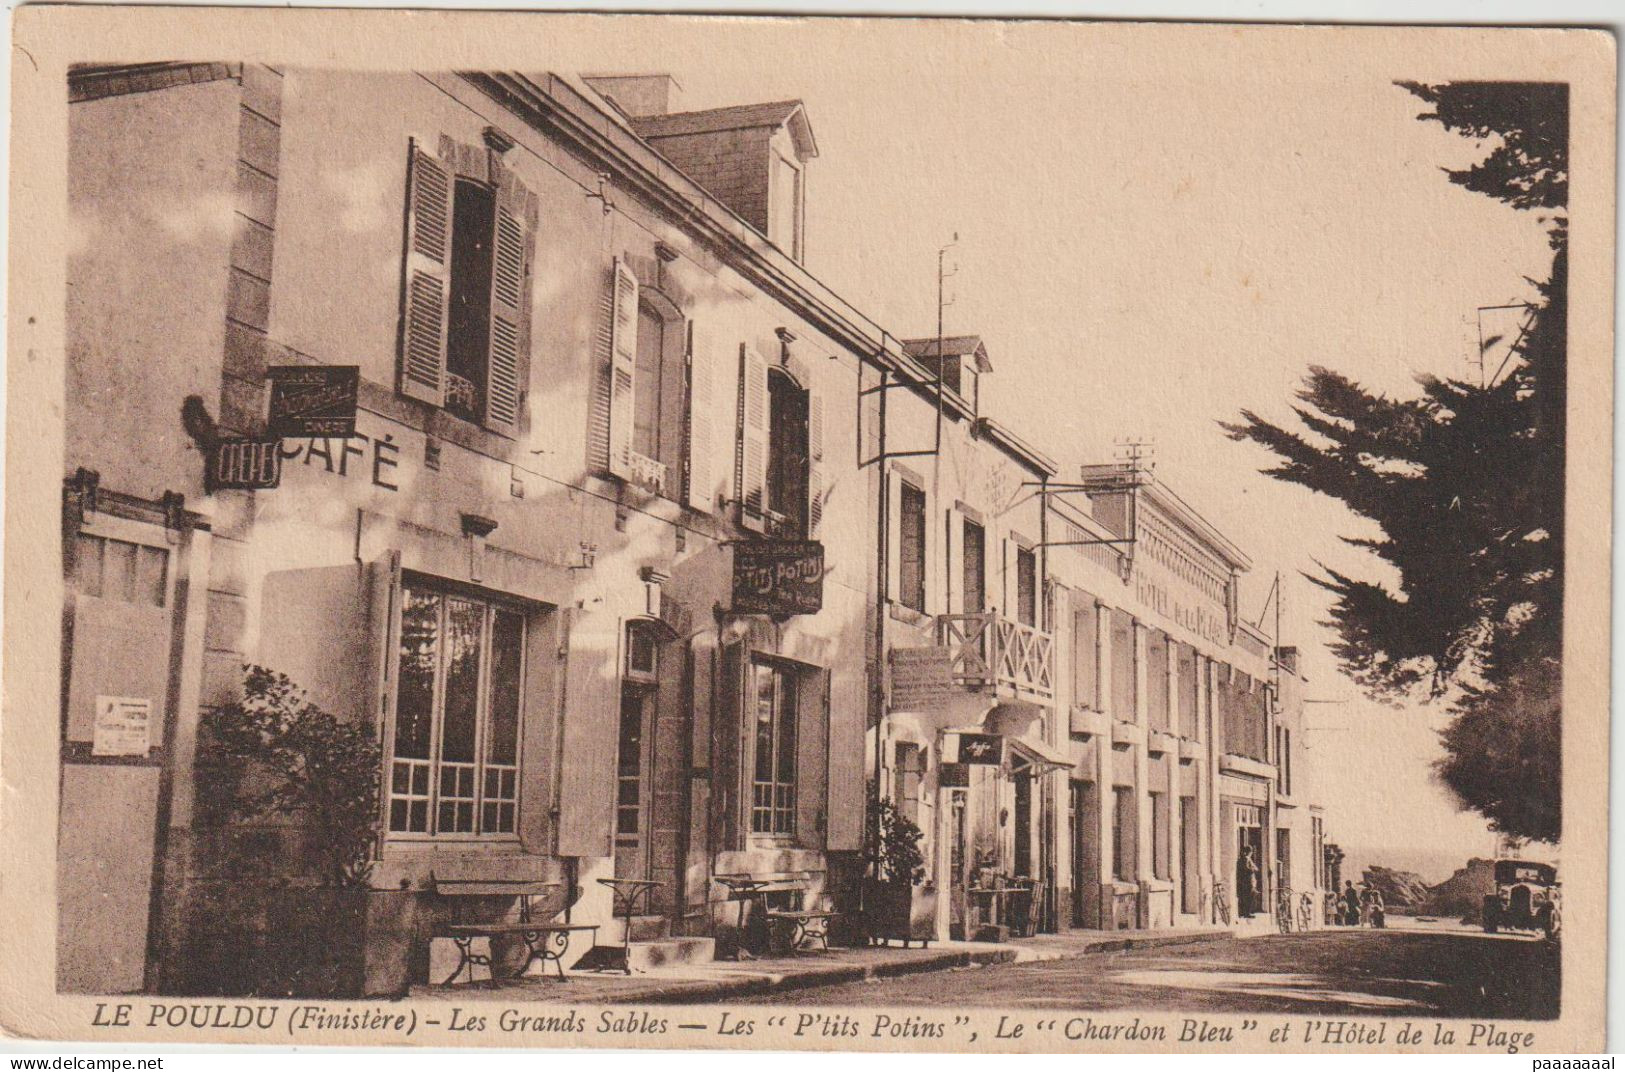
{"points": [[1421, 970]]}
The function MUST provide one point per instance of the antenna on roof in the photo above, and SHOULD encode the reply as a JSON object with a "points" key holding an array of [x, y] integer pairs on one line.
{"points": [[942, 362], [1138, 456]]}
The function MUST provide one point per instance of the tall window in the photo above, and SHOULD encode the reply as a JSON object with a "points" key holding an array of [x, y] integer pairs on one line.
{"points": [[975, 567], [1161, 840], [788, 455], [773, 790], [1124, 688], [637, 697], [119, 570], [466, 288], [455, 767], [1158, 650], [468, 333], [1286, 760], [1026, 586], [646, 405], [1086, 652], [909, 763], [911, 548], [629, 768]]}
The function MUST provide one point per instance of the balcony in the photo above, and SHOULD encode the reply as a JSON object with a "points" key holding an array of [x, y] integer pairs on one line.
{"points": [[1001, 656], [647, 473]]}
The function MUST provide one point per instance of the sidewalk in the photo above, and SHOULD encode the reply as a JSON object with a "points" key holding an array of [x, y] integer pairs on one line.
{"points": [[721, 980]]}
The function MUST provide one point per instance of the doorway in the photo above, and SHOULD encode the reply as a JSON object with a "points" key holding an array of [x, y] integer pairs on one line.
{"points": [[1190, 879], [1023, 861], [1249, 870], [632, 764], [957, 865]]}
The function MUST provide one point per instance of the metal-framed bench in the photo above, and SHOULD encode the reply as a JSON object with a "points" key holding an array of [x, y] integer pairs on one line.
{"points": [[803, 926], [545, 942], [778, 910]]}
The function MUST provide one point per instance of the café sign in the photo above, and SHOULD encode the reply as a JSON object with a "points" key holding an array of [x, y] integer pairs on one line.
{"points": [[313, 401], [980, 749], [779, 578]]}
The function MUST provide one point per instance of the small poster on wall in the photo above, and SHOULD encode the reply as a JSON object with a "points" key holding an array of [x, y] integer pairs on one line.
{"points": [[123, 726]]}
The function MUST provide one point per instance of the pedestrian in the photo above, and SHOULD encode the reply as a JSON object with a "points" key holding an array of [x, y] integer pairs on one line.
{"points": [[1247, 882], [1351, 904], [1366, 904], [1379, 918]]}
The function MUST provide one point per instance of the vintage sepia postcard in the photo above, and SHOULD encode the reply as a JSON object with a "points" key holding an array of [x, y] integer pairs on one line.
{"points": [[538, 530]]}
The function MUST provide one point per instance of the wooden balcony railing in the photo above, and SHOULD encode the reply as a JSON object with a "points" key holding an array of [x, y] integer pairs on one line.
{"points": [[994, 652]]}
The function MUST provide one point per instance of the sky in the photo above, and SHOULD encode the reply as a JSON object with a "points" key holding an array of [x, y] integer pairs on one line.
{"points": [[1150, 241]]}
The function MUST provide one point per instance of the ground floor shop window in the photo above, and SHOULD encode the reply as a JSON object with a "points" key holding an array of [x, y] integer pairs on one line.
{"points": [[455, 761], [773, 788]]}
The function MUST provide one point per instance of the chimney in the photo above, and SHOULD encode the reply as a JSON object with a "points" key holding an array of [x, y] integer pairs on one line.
{"points": [[637, 94]]}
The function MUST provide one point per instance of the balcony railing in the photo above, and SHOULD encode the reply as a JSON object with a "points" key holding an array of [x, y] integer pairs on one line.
{"points": [[648, 473], [990, 651]]}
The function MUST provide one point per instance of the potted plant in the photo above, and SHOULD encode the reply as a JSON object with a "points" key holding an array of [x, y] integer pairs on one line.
{"points": [[895, 903], [284, 906]]}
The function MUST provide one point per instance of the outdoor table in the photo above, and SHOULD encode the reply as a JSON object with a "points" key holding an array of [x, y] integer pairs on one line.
{"points": [[989, 902], [749, 891], [627, 891]]}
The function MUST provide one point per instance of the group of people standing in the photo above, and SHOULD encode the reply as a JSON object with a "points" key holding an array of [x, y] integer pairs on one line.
{"points": [[1360, 907]]}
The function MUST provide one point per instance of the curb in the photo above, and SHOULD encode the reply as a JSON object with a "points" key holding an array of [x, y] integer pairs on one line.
{"points": [[714, 989]]}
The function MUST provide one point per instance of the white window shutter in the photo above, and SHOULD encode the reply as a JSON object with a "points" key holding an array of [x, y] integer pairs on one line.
{"points": [[508, 371], [815, 461], [701, 491], [427, 301], [751, 480], [623, 351]]}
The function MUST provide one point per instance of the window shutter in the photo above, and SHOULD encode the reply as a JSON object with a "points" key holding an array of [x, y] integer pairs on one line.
{"points": [[753, 432], [587, 779], [701, 491], [815, 459], [508, 373], [812, 760], [623, 351], [729, 795], [427, 300]]}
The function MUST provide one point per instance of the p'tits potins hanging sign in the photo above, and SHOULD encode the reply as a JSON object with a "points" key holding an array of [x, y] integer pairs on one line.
{"points": [[779, 578]]}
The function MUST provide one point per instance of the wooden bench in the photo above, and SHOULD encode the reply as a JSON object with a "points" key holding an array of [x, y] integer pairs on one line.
{"points": [[546, 942]]}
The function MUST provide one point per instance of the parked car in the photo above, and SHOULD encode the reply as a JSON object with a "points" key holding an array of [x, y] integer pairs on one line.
{"points": [[1527, 897]]}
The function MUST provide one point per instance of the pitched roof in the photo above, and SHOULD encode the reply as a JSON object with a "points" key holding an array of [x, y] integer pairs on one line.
{"points": [[952, 346], [734, 117]]}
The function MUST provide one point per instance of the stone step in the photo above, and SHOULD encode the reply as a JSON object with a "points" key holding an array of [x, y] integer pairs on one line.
{"points": [[665, 952]]}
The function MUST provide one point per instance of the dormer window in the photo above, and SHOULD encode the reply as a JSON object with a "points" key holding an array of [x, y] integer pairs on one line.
{"points": [[750, 157], [785, 224]]}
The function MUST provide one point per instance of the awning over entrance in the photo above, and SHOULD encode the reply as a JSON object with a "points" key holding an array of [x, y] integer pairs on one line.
{"points": [[1000, 739], [1042, 754]]}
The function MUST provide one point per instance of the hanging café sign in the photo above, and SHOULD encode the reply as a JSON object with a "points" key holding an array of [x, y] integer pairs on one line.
{"points": [[307, 401], [779, 578]]}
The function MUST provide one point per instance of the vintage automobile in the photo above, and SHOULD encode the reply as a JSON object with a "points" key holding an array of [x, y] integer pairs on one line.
{"points": [[1527, 897]]}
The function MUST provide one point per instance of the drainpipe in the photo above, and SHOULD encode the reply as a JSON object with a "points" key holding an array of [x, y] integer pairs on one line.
{"points": [[883, 521]]}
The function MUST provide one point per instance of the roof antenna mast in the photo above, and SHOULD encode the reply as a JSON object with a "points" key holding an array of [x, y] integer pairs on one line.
{"points": [[942, 362]]}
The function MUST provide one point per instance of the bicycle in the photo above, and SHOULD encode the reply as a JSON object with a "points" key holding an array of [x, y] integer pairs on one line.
{"points": [[1283, 909], [1221, 904]]}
